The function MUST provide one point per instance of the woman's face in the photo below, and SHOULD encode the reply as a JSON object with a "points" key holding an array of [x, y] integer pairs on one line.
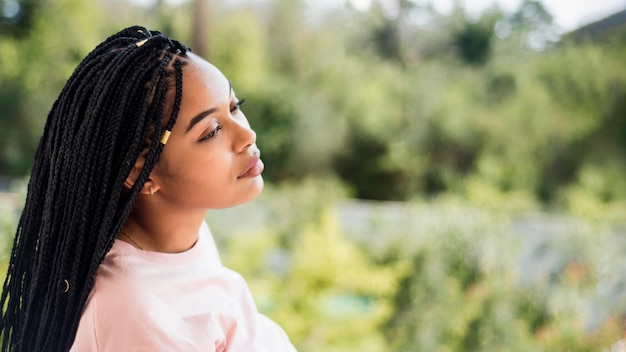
{"points": [[211, 160]]}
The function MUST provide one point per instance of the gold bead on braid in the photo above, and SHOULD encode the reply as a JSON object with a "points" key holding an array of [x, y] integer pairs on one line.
{"points": [[165, 136]]}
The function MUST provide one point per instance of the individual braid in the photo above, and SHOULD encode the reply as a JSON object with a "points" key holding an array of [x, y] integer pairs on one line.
{"points": [[113, 108]]}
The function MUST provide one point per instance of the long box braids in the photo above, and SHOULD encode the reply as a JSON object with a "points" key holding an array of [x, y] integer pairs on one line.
{"points": [[115, 106]]}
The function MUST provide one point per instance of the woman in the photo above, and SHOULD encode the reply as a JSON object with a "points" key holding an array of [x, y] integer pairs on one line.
{"points": [[111, 252]]}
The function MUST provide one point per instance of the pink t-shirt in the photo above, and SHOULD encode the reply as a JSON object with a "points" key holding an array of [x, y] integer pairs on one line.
{"points": [[150, 301]]}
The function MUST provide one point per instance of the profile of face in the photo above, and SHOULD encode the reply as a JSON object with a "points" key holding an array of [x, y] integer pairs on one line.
{"points": [[211, 160]]}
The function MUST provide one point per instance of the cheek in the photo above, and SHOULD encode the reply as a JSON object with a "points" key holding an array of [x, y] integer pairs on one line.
{"points": [[193, 170], [163, 169], [172, 170]]}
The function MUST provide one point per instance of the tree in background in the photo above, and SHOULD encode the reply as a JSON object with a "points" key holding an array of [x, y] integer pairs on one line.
{"points": [[474, 43], [388, 105], [383, 99], [201, 32], [39, 47], [17, 16]]}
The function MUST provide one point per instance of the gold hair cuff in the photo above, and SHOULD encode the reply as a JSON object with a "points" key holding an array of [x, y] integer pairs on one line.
{"points": [[141, 42], [165, 136]]}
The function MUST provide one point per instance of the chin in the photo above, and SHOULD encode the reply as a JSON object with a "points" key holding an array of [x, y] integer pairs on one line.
{"points": [[255, 189], [259, 184]]}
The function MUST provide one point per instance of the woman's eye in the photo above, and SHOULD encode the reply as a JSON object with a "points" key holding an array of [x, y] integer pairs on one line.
{"points": [[237, 105], [211, 134]]}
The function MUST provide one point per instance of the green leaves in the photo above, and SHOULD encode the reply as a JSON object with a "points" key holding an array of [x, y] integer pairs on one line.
{"points": [[345, 275]]}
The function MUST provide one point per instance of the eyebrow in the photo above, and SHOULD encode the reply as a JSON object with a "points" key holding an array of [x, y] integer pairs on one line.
{"points": [[201, 116]]}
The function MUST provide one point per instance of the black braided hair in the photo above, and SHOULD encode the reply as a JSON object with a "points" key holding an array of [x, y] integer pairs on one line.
{"points": [[116, 105]]}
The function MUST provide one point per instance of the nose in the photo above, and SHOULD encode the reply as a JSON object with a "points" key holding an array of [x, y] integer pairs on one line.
{"points": [[244, 136]]}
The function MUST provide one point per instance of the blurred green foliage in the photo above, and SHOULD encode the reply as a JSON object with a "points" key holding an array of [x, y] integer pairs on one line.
{"points": [[395, 108], [473, 123], [345, 275]]}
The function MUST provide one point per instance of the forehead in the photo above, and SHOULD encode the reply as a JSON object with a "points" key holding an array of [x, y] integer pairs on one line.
{"points": [[203, 84]]}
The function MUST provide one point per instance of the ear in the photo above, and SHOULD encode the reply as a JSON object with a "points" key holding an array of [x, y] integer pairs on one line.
{"points": [[150, 187]]}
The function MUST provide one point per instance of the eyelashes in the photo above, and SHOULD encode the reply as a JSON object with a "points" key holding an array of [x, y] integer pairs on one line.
{"points": [[215, 131], [237, 105], [211, 134]]}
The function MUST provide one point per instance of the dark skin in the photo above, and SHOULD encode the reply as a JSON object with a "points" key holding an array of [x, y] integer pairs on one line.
{"points": [[210, 161]]}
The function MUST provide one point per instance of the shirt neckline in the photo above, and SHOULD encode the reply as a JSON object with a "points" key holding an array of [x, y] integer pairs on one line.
{"points": [[124, 248]]}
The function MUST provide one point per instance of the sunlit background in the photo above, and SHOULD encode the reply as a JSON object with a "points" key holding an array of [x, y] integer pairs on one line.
{"points": [[441, 175]]}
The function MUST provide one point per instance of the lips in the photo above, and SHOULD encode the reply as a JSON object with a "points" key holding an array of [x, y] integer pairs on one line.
{"points": [[254, 168]]}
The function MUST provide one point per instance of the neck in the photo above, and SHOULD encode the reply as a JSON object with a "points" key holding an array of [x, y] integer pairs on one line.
{"points": [[155, 227]]}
